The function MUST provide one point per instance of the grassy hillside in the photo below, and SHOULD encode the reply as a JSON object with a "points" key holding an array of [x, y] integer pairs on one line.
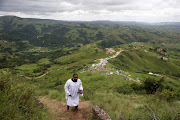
{"points": [[41, 55], [54, 34], [18, 99], [146, 58], [139, 60], [120, 98], [115, 95]]}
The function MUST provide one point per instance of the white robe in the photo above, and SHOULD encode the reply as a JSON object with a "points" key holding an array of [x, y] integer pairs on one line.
{"points": [[72, 88]]}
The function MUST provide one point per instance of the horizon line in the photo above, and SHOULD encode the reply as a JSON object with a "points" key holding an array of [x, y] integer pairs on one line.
{"points": [[88, 20]]}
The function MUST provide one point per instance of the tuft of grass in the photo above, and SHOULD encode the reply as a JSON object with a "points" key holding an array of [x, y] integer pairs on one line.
{"points": [[42, 92], [53, 94]]}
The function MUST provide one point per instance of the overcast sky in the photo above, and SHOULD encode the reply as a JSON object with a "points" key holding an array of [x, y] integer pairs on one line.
{"points": [[89, 10]]}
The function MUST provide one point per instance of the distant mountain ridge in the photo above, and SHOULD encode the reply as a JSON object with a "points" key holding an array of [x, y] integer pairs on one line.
{"points": [[99, 21], [55, 33]]}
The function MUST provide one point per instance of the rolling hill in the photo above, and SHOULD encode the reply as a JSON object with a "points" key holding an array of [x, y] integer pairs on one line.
{"points": [[38, 56], [49, 33]]}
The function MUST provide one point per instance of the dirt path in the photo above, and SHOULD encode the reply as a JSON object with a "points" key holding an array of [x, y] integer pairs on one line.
{"points": [[59, 110], [117, 53], [43, 74]]}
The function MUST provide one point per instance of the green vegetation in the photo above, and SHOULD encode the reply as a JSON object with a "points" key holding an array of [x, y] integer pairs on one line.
{"points": [[33, 47], [144, 58], [25, 33], [17, 99], [127, 99], [140, 61]]}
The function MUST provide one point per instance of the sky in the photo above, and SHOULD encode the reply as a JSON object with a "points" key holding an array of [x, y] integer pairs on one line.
{"points": [[92, 10]]}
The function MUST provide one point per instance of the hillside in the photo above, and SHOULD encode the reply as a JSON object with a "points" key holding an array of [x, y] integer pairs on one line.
{"points": [[47, 33], [144, 58], [40, 38], [131, 70]]}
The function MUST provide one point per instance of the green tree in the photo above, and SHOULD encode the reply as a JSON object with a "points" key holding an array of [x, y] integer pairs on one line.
{"points": [[151, 85]]}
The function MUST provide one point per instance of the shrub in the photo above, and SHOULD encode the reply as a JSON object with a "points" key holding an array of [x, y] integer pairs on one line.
{"points": [[17, 100], [169, 95], [138, 88], [125, 89], [151, 85]]}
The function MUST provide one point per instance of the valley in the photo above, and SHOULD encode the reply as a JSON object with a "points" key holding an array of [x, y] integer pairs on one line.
{"points": [[130, 71]]}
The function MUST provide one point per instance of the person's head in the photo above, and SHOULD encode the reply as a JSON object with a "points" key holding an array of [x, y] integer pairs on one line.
{"points": [[75, 76]]}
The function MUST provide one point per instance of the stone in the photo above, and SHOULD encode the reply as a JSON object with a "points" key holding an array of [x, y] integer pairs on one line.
{"points": [[100, 113]]}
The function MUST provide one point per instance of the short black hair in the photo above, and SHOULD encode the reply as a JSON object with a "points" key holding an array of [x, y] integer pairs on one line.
{"points": [[75, 74]]}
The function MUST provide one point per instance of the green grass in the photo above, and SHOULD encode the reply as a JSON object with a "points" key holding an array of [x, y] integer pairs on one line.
{"points": [[101, 90], [112, 92], [53, 94], [17, 99], [174, 45], [138, 60], [84, 56], [42, 92], [44, 61], [120, 106], [27, 67], [28, 70]]}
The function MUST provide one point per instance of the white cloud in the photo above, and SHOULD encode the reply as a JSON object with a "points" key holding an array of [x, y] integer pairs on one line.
{"points": [[134, 10]]}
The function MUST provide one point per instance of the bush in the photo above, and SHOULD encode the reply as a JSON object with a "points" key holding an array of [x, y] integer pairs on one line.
{"points": [[125, 89], [138, 88], [151, 85], [17, 100], [159, 87], [168, 95]]}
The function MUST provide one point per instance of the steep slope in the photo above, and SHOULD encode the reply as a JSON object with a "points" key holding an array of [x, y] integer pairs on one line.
{"points": [[140, 60]]}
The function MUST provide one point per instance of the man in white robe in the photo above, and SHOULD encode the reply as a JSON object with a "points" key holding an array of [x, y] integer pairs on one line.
{"points": [[72, 88]]}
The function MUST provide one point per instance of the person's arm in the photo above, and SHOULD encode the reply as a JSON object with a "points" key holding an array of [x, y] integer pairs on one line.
{"points": [[66, 87]]}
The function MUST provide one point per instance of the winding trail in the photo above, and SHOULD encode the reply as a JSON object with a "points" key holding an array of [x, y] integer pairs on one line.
{"points": [[38, 76], [102, 63], [58, 109], [43, 74]]}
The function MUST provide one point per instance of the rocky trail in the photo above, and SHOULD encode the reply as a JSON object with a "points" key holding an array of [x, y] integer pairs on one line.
{"points": [[59, 110]]}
